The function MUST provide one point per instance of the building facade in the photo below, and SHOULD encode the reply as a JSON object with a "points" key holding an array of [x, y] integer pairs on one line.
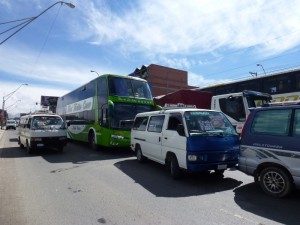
{"points": [[163, 80]]}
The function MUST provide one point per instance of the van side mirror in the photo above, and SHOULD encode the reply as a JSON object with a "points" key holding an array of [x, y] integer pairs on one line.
{"points": [[180, 130]]}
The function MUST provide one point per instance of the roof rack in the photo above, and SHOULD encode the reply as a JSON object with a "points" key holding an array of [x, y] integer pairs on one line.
{"points": [[177, 106]]}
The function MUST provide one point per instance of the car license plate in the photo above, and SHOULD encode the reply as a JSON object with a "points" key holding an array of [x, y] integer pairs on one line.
{"points": [[40, 145], [222, 167]]}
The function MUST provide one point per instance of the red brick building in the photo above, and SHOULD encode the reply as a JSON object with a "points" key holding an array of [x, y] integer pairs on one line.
{"points": [[163, 80]]}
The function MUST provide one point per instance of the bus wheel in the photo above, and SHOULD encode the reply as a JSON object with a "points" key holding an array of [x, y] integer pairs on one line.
{"points": [[92, 141], [28, 148], [174, 167], [275, 182]]}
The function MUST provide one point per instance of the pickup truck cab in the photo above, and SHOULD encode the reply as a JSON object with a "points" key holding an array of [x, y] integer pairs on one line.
{"points": [[186, 139], [42, 130]]}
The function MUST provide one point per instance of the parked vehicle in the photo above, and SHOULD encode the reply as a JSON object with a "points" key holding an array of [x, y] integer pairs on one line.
{"points": [[234, 105], [11, 124], [186, 139], [42, 130], [270, 149]]}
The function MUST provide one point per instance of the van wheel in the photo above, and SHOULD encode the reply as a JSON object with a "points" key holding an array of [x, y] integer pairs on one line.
{"points": [[275, 182], [20, 144], [139, 155], [92, 141], [174, 167], [28, 148]]}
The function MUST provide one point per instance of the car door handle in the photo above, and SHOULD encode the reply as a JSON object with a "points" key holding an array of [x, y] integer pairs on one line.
{"points": [[166, 138]]}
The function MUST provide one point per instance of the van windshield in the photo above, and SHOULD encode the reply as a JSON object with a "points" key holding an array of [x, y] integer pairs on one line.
{"points": [[47, 122], [208, 123]]}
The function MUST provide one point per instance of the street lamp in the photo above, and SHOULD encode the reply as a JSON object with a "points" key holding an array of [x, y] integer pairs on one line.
{"points": [[262, 68], [92, 71], [5, 97], [35, 17]]}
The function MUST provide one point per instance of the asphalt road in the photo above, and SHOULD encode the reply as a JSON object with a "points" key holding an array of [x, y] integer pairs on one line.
{"points": [[82, 186]]}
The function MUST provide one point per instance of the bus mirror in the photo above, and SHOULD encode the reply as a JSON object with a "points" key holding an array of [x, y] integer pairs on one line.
{"points": [[180, 129], [68, 124], [110, 106]]}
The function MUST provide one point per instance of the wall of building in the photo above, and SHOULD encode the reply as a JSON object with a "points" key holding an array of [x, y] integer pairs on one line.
{"points": [[164, 80]]}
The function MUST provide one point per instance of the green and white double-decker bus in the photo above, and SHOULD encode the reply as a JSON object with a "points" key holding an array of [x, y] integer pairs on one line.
{"points": [[102, 111]]}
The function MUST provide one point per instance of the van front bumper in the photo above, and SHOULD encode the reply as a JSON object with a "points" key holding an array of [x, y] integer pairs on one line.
{"points": [[197, 167], [48, 142]]}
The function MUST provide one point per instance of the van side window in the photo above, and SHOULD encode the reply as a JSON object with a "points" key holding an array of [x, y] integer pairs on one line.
{"points": [[296, 131], [272, 122], [156, 123], [174, 120], [140, 123]]}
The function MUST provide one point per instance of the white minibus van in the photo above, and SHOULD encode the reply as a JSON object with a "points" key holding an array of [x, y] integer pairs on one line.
{"points": [[192, 140], [42, 130]]}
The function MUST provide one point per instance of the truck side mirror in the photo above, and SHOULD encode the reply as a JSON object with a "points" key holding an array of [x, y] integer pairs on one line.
{"points": [[180, 129]]}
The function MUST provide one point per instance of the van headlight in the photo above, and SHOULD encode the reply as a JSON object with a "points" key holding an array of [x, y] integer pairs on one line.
{"points": [[192, 157]]}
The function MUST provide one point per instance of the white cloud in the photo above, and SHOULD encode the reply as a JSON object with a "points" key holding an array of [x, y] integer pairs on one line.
{"points": [[200, 81], [195, 27]]}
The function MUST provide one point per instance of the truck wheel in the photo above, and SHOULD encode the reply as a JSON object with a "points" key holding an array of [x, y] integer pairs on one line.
{"points": [[174, 167], [275, 182], [92, 141], [28, 148], [139, 155]]}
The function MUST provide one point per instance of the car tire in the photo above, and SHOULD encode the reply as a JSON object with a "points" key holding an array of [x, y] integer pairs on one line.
{"points": [[139, 155], [275, 181], [174, 168]]}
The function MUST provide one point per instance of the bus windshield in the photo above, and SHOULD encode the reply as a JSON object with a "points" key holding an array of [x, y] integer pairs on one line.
{"points": [[208, 123], [129, 88], [124, 121]]}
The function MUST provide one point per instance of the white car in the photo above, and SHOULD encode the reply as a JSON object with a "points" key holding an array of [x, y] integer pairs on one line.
{"points": [[11, 124]]}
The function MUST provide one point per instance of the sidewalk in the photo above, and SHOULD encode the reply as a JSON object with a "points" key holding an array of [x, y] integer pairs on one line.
{"points": [[1, 133]]}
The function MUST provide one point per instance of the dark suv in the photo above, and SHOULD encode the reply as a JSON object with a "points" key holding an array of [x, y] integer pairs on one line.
{"points": [[270, 148]]}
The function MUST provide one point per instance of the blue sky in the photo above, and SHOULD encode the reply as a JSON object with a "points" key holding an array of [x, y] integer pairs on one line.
{"points": [[214, 41]]}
